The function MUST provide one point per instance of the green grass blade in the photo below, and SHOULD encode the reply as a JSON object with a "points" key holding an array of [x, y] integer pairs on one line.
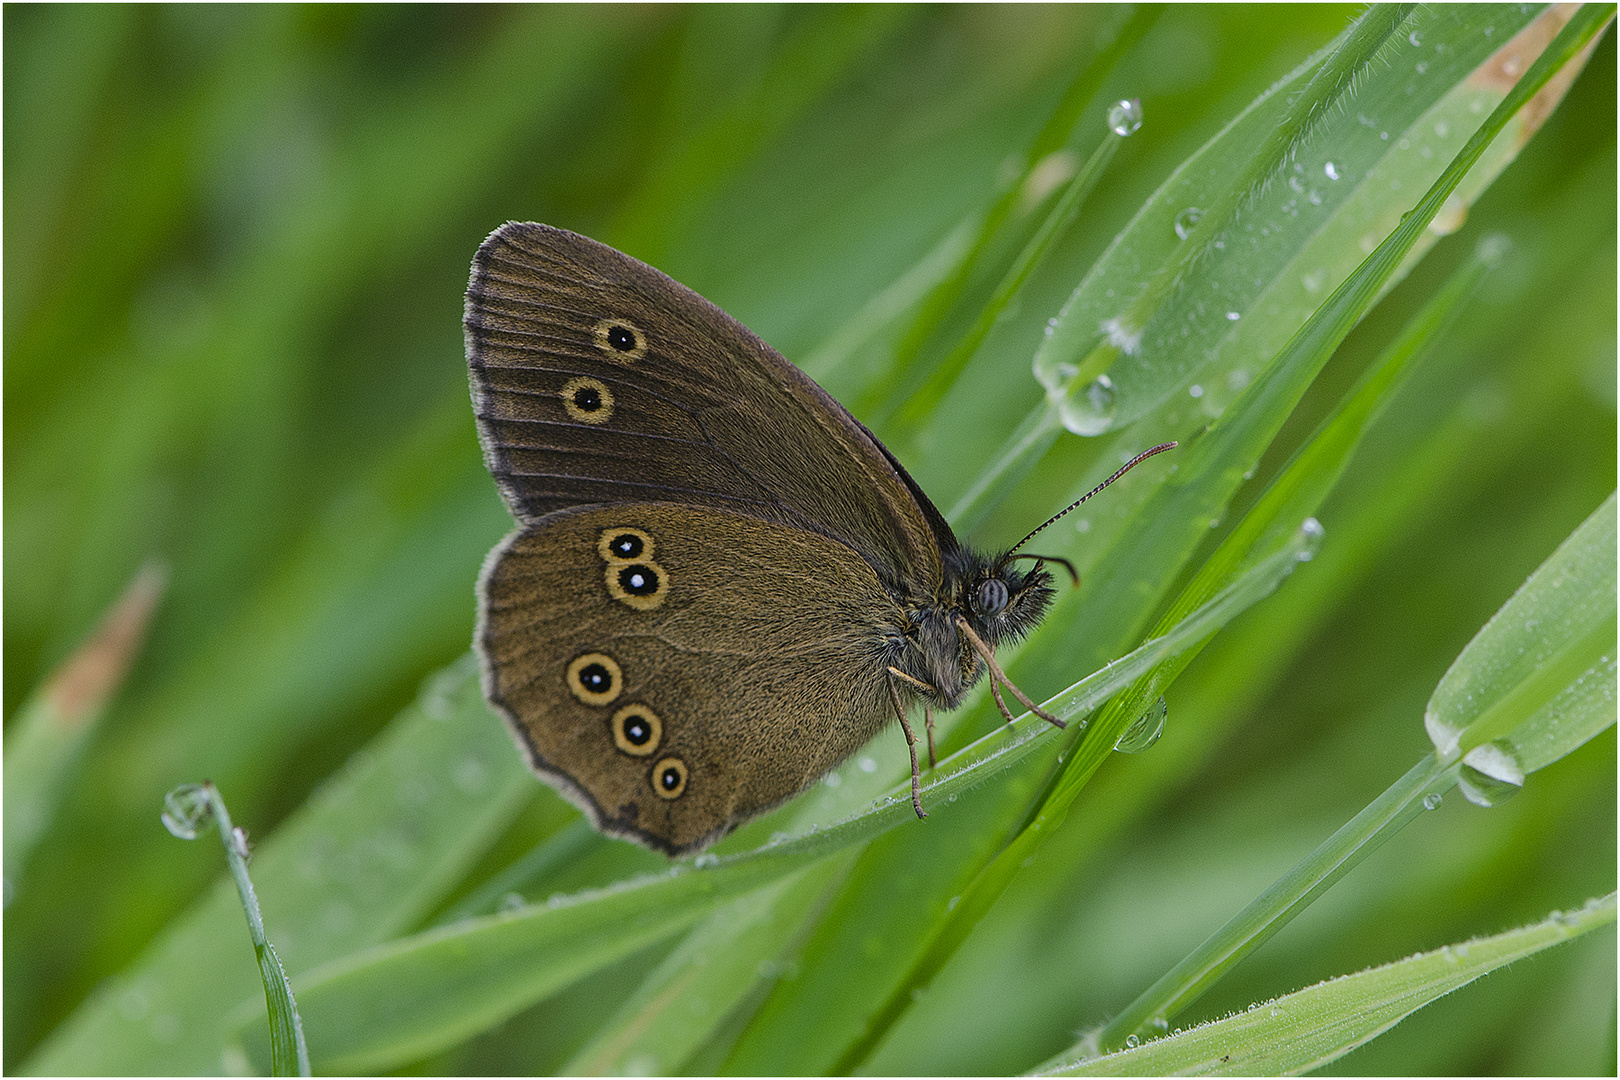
{"points": [[360, 863], [1309, 241], [1310, 476], [1052, 229], [1555, 722], [885, 392], [713, 970], [1311, 1027], [189, 808], [1563, 608], [52, 726]]}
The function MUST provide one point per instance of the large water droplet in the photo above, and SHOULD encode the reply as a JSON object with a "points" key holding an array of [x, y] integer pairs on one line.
{"points": [[1186, 221], [1445, 736], [1431, 801], [1331, 171], [1490, 775], [1125, 117], [186, 810], [1090, 410], [1146, 729]]}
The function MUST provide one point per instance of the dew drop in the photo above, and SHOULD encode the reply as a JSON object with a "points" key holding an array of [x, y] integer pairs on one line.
{"points": [[1195, 391], [1233, 316], [867, 765], [1415, 39], [1091, 410], [1431, 801], [1125, 117], [1311, 531], [708, 858], [1490, 775], [832, 779], [1145, 730], [186, 810], [512, 901], [1132, 1041], [1330, 170], [1186, 221]]}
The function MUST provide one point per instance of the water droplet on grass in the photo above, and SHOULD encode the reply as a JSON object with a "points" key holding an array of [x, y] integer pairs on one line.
{"points": [[1490, 775], [1125, 117], [1145, 730]]}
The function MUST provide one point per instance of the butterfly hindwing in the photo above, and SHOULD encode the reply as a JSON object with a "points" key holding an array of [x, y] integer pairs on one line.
{"points": [[679, 669]]}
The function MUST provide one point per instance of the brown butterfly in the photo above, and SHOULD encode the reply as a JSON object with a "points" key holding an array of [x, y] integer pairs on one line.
{"points": [[721, 584]]}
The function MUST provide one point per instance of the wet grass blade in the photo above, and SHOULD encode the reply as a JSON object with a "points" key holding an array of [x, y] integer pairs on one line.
{"points": [[188, 810], [1309, 1028]]}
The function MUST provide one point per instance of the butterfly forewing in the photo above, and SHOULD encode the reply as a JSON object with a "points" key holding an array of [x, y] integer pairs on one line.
{"points": [[597, 379]]}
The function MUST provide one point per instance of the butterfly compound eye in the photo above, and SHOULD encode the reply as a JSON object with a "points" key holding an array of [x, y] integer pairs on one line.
{"points": [[990, 597]]}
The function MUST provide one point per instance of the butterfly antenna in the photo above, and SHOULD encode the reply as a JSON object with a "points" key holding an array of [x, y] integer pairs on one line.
{"points": [[1123, 469], [1065, 563]]}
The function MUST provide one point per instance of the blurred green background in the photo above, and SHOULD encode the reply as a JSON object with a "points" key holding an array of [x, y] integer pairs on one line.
{"points": [[236, 243]]}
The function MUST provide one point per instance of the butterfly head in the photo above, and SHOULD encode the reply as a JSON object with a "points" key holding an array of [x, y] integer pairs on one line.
{"points": [[1001, 599]]}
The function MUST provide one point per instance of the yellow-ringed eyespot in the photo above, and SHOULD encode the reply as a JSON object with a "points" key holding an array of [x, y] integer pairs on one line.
{"points": [[642, 585], [587, 400], [637, 730], [595, 678], [620, 339], [669, 778], [624, 544]]}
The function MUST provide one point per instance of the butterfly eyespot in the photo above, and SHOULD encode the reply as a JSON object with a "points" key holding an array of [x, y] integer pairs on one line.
{"points": [[990, 597], [595, 678], [669, 778], [621, 339], [618, 545], [637, 730], [642, 585], [587, 400]]}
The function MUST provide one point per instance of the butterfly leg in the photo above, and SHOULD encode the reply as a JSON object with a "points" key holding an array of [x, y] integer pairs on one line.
{"points": [[911, 747], [997, 675], [995, 692], [928, 722]]}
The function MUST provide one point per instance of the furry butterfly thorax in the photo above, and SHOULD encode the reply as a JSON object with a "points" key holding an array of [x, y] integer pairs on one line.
{"points": [[721, 584]]}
